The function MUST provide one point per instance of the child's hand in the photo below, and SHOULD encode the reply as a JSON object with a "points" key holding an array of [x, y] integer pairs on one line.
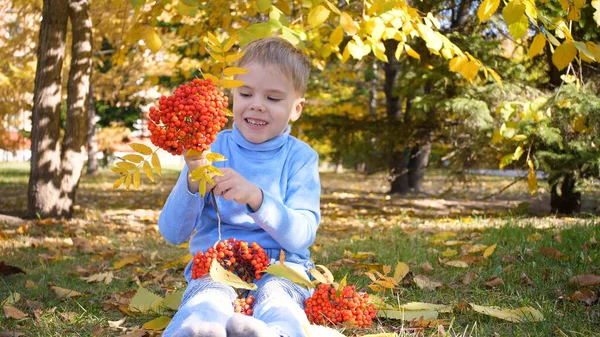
{"points": [[232, 186], [193, 162]]}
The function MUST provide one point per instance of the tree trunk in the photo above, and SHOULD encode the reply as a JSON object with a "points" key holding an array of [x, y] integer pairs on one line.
{"points": [[44, 176], [399, 172], [564, 199], [74, 142], [92, 138], [55, 172], [416, 166]]}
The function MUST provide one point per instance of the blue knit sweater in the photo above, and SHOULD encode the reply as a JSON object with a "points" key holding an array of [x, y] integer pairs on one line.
{"points": [[284, 168]]}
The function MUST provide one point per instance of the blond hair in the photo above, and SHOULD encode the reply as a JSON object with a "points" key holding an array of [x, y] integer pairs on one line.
{"points": [[278, 52]]}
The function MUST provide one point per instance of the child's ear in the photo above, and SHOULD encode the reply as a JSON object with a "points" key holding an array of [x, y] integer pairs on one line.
{"points": [[297, 109]]}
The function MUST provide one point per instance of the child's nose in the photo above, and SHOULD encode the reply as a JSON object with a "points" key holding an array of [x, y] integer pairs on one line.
{"points": [[257, 106]]}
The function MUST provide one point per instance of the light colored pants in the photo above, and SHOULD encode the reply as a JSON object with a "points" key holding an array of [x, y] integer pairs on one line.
{"points": [[278, 302]]}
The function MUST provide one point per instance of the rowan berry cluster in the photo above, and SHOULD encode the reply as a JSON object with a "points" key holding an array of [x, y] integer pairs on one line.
{"points": [[325, 307], [244, 305], [188, 119], [247, 262]]}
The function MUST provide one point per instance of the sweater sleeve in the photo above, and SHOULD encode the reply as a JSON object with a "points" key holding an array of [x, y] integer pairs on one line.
{"points": [[180, 213], [293, 223]]}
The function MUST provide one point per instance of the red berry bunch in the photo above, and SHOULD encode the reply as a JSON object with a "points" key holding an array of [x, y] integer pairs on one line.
{"points": [[188, 119], [324, 307], [244, 305], [247, 262]]}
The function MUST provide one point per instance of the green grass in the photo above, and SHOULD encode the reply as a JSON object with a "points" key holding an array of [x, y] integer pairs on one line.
{"points": [[357, 217]]}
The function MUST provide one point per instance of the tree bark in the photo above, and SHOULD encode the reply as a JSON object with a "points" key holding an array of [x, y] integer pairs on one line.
{"points": [[92, 138], [44, 176], [564, 199], [416, 166], [55, 172], [74, 142]]}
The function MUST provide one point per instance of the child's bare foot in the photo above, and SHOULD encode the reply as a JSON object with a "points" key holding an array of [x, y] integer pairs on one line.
{"points": [[204, 329], [245, 326]]}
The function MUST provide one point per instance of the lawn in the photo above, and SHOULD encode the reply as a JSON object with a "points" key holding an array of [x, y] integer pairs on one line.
{"points": [[466, 249]]}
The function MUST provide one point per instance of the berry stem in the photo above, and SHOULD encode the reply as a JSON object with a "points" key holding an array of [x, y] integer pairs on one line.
{"points": [[214, 200]]}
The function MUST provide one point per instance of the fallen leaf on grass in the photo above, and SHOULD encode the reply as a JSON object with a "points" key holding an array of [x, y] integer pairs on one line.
{"points": [[584, 295], [6, 269], [477, 248], [449, 252], [401, 271], [117, 324], [426, 267], [525, 280], [425, 283], [127, 260], [407, 315], [414, 306], [65, 293], [494, 282], [534, 237], [144, 300], [159, 323], [137, 333], [489, 251], [180, 261], [585, 280], [101, 277], [469, 277], [553, 253], [14, 313], [456, 263], [523, 314]]}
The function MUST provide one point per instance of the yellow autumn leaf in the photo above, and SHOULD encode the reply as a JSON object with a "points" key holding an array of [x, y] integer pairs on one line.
{"points": [[518, 138], [496, 77], [65, 293], [214, 79], [156, 163], [135, 158], [457, 264], [127, 260], [232, 71], [411, 52], [348, 24], [513, 11], [457, 63], [487, 9], [229, 84], [141, 148], [318, 15], [151, 39], [220, 274], [227, 112], [136, 178], [470, 69], [337, 36], [449, 252], [579, 124], [157, 324], [537, 45], [489, 250], [401, 271], [519, 315], [355, 50], [531, 181], [125, 165], [234, 57], [119, 182], [148, 171], [214, 42], [213, 157], [564, 54]]}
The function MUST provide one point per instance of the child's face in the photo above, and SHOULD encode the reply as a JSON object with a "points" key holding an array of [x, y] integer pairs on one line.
{"points": [[265, 104]]}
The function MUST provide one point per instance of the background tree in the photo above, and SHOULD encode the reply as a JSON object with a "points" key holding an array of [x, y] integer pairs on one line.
{"points": [[56, 166]]}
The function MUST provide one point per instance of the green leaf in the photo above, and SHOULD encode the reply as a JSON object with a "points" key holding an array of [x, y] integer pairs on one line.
{"points": [[263, 5], [408, 315], [290, 274], [173, 300], [519, 28], [507, 159], [137, 3]]}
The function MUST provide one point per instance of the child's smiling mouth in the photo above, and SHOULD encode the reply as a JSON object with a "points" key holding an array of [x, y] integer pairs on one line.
{"points": [[255, 122]]}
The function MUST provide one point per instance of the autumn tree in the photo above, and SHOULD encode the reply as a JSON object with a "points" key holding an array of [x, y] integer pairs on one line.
{"points": [[57, 162]]}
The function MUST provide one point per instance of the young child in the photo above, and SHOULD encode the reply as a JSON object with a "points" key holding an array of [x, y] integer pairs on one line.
{"points": [[269, 194]]}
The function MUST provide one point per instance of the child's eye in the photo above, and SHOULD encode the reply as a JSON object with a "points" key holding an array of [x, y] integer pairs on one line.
{"points": [[244, 95], [274, 99]]}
